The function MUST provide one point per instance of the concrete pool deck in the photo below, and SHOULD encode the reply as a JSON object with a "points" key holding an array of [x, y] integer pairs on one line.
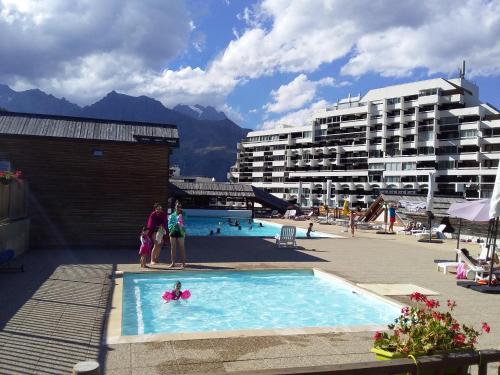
{"points": [[53, 315]]}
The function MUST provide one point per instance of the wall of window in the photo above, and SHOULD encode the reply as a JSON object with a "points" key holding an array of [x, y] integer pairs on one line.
{"points": [[408, 166], [446, 164], [392, 179], [393, 100], [469, 133], [392, 166], [428, 92], [376, 166]]}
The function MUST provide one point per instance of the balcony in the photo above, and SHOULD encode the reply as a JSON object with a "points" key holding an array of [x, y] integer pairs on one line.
{"points": [[428, 99]]}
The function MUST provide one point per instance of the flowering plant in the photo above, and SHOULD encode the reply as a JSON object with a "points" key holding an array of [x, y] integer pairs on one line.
{"points": [[7, 175], [423, 329]]}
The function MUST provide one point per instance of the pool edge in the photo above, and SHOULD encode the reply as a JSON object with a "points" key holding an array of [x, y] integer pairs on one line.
{"points": [[114, 323]]}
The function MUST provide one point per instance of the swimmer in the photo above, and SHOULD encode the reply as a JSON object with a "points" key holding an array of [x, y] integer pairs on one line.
{"points": [[211, 232], [218, 231], [260, 225], [176, 293]]}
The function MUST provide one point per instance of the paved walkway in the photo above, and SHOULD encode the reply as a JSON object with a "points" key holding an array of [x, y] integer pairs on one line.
{"points": [[54, 312]]}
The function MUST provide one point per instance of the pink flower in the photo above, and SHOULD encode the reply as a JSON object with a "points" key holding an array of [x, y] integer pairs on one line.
{"points": [[459, 338], [419, 297], [455, 326], [432, 303], [451, 304], [377, 336], [405, 311], [486, 328]]}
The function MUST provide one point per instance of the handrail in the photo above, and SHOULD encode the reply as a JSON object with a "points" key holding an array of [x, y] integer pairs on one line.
{"points": [[427, 364]]}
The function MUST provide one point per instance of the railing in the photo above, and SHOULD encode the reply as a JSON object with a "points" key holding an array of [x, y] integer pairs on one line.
{"points": [[13, 197], [456, 362]]}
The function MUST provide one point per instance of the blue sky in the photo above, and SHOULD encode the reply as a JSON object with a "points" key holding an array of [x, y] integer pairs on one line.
{"points": [[262, 62]]}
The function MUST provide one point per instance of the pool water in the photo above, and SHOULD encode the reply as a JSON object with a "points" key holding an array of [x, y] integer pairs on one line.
{"points": [[201, 226], [237, 300]]}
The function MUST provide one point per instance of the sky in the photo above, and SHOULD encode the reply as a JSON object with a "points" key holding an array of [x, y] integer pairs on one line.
{"points": [[262, 62]]}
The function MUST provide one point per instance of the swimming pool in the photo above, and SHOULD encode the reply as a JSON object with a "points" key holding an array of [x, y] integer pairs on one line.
{"points": [[247, 300], [201, 226]]}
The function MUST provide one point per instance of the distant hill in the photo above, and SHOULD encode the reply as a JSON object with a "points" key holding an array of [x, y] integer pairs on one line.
{"points": [[200, 112], [35, 101], [207, 137]]}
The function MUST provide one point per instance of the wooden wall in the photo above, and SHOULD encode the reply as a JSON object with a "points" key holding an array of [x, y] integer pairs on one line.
{"points": [[78, 199]]}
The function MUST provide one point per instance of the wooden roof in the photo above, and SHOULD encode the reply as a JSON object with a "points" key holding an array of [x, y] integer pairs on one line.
{"points": [[211, 189], [39, 125]]}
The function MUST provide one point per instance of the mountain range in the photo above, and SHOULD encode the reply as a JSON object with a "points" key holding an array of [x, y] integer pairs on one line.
{"points": [[207, 137]]}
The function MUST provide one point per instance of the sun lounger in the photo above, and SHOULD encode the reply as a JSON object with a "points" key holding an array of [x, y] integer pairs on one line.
{"points": [[481, 271], [6, 258], [304, 217], [287, 236], [438, 232]]}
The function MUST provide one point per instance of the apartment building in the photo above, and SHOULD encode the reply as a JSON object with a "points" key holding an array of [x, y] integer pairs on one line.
{"points": [[385, 141]]}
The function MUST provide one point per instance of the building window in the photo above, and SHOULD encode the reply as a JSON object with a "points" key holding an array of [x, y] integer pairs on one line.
{"points": [[469, 133], [393, 100], [408, 166], [376, 166], [392, 166], [428, 92], [392, 179], [425, 136], [307, 135], [446, 164]]}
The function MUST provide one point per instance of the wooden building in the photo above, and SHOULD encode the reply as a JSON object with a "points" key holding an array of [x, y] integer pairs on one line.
{"points": [[92, 182], [223, 195]]}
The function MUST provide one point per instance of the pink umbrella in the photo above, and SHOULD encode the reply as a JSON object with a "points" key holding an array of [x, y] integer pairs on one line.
{"points": [[473, 210]]}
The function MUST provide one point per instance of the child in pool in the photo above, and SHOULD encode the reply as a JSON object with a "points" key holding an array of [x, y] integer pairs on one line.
{"points": [[146, 246], [176, 293]]}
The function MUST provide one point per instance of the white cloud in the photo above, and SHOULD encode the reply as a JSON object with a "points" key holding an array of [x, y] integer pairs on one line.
{"points": [[296, 94], [297, 118], [85, 48], [470, 31]]}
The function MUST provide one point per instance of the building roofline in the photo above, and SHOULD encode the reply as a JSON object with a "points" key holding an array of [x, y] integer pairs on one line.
{"points": [[86, 119]]}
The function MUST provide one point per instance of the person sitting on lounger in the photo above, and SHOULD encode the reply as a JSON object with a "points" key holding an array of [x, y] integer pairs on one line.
{"points": [[480, 262]]}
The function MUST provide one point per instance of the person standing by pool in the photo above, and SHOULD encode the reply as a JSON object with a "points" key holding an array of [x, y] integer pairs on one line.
{"points": [[309, 230], [156, 220], [392, 218], [177, 234], [352, 221]]}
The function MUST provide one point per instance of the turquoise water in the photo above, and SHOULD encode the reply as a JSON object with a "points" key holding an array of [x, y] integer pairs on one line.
{"points": [[201, 226], [236, 300]]}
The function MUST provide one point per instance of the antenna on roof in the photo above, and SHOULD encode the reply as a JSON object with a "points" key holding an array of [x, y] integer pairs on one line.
{"points": [[462, 70]]}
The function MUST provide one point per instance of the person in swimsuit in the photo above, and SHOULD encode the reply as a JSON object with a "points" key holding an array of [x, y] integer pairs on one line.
{"points": [[392, 218], [146, 245], [177, 234], [352, 221], [309, 230], [156, 220], [176, 292]]}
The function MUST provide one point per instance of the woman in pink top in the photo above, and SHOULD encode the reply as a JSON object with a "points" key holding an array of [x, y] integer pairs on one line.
{"points": [[157, 222]]}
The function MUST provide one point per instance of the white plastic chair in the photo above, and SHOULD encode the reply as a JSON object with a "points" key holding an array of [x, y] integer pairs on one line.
{"points": [[287, 236], [438, 232]]}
